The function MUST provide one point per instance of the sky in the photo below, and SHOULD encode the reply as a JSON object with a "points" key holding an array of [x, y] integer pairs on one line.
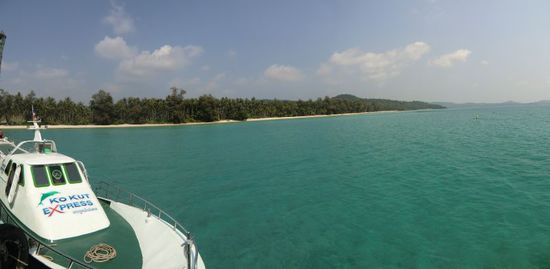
{"points": [[430, 50]]}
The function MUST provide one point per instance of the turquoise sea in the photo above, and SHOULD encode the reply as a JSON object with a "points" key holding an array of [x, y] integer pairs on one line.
{"points": [[421, 189]]}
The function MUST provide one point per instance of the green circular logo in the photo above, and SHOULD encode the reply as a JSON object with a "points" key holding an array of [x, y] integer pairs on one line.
{"points": [[57, 174]]}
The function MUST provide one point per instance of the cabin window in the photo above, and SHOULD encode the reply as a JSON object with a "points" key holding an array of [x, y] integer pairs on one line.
{"points": [[72, 173], [10, 178], [22, 177], [40, 176], [56, 174], [7, 169]]}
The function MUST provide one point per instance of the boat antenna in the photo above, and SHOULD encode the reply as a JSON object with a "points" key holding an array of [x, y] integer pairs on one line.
{"points": [[35, 120]]}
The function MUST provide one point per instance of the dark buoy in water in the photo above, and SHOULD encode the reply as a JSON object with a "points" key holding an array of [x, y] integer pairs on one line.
{"points": [[14, 247]]}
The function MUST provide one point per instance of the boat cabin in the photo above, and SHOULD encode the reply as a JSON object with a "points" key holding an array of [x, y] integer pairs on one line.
{"points": [[49, 193]]}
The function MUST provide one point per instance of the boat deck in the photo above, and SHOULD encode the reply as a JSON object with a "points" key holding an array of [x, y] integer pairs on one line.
{"points": [[119, 235], [141, 239]]}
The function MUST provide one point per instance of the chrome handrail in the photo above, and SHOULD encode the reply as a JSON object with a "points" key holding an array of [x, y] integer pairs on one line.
{"points": [[3, 155], [21, 144], [113, 192], [40, 245]]}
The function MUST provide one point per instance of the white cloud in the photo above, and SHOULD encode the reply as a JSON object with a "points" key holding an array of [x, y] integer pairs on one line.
{"points": [[448, 60], [7, 66], [195, 81], [45, 80], [283, 73], [484, 62], [231, 53], [134, 65], [219, 76], [243, 81], [165, 58], [114, 48], [372, 65], [415, 51], [213, 83], [50, 73], [112, 87], [119, 20], [324, 70], [522, 83]]}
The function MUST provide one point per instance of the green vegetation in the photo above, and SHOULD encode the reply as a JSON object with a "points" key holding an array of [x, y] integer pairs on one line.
{"points": [[15, 108]]}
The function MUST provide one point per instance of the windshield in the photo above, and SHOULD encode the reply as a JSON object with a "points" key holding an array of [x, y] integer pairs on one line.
{"points": [[55, 174]]}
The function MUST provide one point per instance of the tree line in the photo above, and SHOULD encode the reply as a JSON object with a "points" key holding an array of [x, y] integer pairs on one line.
{"points": [[175, 108]]}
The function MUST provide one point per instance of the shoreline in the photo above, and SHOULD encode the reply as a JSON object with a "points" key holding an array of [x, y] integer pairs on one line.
{"points": [[127, 125]]}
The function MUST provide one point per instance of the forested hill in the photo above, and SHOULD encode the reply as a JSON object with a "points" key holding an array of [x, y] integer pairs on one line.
{"points": [[175, 108], [385, 104]]}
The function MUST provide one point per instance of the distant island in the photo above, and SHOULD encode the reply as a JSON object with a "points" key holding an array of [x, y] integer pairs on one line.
{"points": [[176, 109], [472, 104]]}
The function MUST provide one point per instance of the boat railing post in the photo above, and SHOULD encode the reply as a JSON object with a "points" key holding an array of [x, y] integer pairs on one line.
{"points": [[191, 262], [196, 256], [188, 248]]}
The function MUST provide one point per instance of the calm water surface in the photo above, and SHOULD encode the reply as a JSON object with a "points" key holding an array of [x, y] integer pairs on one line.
{"points": [[429, 189]]}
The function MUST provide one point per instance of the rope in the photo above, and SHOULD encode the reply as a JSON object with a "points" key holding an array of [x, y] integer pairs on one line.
{"points": [[100, 253]]}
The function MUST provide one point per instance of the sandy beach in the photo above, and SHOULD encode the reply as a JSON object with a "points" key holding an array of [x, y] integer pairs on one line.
{"points": [[7, 127], [319, 116]]}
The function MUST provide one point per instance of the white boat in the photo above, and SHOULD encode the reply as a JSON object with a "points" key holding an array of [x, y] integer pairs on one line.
{"points": [[53, 218]]}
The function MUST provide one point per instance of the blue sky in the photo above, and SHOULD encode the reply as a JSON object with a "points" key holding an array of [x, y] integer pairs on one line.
{"points": [[461, 51]]}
